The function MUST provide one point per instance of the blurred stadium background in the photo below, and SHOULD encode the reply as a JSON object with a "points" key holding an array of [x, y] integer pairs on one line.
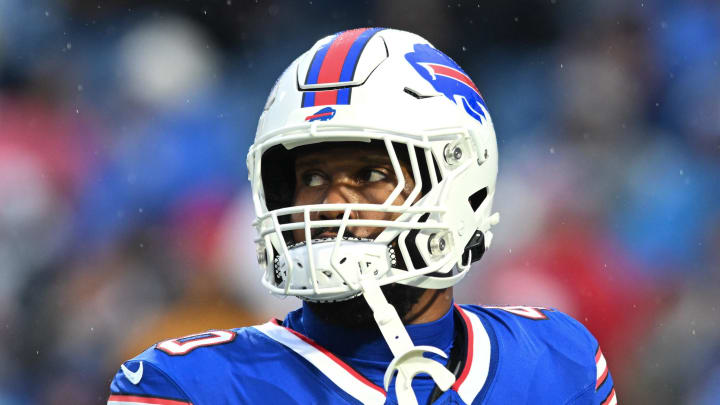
{"points": [[124, 208]]}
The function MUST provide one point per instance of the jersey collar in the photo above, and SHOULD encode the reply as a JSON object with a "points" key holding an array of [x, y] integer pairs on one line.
{"points": [[480, 357], [368, 344], [476, 371]]}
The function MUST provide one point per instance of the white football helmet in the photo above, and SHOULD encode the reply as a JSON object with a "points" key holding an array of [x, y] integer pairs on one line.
{"points": [[393, 88]]}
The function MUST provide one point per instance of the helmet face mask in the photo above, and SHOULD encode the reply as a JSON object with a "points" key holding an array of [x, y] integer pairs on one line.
{"points": [[440, 151]]}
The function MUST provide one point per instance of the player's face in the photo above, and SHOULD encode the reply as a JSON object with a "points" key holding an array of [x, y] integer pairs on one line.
{"points": [[353, 173]]}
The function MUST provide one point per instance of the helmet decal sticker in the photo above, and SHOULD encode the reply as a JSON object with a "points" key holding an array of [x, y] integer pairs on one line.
{"points": [[326, 114], [335, 62], [447, 78]]}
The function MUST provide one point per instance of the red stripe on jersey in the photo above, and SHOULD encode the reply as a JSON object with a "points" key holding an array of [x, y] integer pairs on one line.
{"points": [[134, 399], [610, 398], [455, 74], [332, 357], [468, 361], [605, 369]]}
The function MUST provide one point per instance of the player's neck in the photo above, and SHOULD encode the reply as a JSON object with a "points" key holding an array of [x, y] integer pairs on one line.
{"points": [[431, 306], [368, 343]]}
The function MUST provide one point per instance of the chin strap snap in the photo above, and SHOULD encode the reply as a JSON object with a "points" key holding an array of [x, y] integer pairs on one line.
{"points": [[408, 359]]}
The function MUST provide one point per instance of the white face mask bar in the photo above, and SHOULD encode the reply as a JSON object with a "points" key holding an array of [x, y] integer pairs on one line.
{"points": [[304, 272]]}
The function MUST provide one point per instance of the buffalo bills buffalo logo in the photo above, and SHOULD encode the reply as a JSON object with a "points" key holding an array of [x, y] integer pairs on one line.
{"points": [[447, 78], [325, 114]]}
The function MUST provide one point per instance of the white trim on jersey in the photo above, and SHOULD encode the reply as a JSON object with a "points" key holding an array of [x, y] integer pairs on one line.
{"points": [[334, 369], [611, 398], [601, 366], [472, 380], [601, 369]]}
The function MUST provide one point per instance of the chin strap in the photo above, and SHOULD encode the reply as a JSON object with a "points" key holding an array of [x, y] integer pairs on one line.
{"points": [[408, 359]]}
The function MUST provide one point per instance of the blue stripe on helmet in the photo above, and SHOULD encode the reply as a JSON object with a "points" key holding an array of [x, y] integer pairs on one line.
{"points": [[343, 96], [308, 99], [317, 61]]}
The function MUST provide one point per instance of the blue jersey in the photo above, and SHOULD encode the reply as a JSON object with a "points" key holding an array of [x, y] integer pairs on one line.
{"points": [[500, 355]]}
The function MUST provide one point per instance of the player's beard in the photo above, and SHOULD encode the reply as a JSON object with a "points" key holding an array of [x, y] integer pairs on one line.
{"points": [[355, 313]]}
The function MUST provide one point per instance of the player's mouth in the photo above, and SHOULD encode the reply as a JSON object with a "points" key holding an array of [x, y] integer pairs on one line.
{"points": [[324, 233]]}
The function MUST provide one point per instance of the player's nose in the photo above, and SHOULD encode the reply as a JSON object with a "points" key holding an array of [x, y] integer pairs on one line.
{"points": [[338, 194]]}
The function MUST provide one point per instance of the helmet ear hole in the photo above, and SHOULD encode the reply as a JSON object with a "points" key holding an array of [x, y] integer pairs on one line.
{"points": [[477, 198], [278, 177]]}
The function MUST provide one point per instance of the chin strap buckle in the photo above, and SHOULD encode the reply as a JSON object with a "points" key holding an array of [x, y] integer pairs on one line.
{"points": [[411, 363], [408, 359]]}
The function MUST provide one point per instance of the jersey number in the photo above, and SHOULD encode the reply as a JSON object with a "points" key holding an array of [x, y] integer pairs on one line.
{"points": [[186, 344]]}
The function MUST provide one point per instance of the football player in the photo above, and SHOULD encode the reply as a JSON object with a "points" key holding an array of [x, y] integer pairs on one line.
{"points": [[373, 173]]}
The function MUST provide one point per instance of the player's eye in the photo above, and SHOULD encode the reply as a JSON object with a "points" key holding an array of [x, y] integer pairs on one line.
{"points": [[313, 179], [372, 175]]}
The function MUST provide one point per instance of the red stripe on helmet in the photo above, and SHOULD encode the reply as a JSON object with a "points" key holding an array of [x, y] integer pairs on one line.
{"points": [[336, 54], [332, 65], [327, 97]]}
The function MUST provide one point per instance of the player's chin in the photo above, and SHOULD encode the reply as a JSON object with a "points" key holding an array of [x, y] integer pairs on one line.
{"points": [[356, 314]]}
